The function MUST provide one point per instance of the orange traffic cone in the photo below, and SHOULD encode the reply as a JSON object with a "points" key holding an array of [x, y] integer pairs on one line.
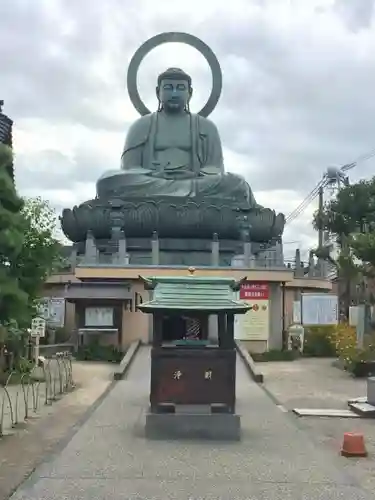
{"points": [[353, 445]]}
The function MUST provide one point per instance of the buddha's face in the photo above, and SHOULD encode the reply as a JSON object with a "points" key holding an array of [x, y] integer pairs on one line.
{"points": [[174, 94]]}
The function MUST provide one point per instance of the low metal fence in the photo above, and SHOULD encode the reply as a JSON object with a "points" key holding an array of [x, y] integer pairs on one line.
{"points": [[47, 382]]}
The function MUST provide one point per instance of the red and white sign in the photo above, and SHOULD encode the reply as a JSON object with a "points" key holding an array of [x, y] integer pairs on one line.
{"points": [[254, 325], [256, 290]]}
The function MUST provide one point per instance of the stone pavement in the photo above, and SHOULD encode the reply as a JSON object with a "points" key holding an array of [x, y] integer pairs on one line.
{"points": [[315, 383], [310, 383], [21, 452], [109, 458]]}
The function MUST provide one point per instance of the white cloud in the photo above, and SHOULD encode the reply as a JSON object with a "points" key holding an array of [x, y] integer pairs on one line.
{"points": [[298, 88]]}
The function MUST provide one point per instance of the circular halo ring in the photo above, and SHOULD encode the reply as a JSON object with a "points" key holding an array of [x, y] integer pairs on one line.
{"points": [[174, 37]]}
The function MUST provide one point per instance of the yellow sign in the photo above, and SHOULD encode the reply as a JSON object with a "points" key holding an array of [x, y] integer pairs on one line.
{"points": [[255, 324]]}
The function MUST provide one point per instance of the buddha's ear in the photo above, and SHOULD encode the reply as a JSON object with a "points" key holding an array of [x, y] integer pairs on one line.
{"points": [[190, 92], [157, 89]]}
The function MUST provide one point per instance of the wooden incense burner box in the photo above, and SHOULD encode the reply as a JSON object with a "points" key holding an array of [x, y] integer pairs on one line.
{"points": [[193, 376]]}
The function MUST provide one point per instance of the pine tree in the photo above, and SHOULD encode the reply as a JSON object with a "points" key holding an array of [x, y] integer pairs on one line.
{"points": [[13, 300], [6, 137]]}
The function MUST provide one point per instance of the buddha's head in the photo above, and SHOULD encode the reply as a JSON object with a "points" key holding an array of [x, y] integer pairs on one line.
{"points": [[174, 90]]}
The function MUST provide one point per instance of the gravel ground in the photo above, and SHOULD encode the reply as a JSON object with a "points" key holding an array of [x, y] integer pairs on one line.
{"points": [[315, 383]]}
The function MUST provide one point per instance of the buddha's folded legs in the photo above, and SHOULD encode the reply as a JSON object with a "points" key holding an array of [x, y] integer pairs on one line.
{"points": [[135, 185]]}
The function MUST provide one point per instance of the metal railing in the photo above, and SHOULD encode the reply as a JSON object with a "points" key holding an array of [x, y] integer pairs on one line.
{"points": [[51, 377]]}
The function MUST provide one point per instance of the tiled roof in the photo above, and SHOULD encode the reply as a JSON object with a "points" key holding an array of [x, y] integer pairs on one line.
{"points": [[194, 293]]}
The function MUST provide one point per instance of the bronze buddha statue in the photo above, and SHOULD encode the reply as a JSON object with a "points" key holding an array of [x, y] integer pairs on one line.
{"points": [[173, 152], [172, 179]]}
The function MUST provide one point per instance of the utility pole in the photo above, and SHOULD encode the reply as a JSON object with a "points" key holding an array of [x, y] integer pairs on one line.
{"points": [[320, 212], [338, 178], [344, 280]]}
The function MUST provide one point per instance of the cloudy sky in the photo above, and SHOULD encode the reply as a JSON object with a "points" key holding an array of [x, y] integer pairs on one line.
{"points": [[299, 89]]}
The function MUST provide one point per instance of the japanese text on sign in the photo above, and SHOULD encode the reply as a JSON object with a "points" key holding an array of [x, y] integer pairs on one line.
{"points": [[208, 374], [38, 327], [319, 309], [254, 290], [177, 375], [250, 293]]}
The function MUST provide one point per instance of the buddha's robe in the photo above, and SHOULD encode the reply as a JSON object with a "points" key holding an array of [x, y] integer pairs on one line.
{"points": [[173, 155]]}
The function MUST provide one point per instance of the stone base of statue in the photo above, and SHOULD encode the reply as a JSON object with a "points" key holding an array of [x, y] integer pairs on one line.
{"points": [[189, 422], [169, 251], [171, 217]]}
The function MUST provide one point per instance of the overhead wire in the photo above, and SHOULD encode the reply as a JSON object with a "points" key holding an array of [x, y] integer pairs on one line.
{"points": [[322, 183], [303, 205], [360, 159]]}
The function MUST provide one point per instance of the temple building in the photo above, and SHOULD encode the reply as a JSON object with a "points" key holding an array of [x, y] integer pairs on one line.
{"points": [[102, 300]]}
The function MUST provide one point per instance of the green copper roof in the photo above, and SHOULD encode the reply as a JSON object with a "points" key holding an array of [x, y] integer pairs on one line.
{"points": [[193, 293]]}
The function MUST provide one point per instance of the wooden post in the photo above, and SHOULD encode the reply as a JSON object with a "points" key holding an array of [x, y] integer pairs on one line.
{"points": [[222, 328], [158, 330], [229, 338], [204, 327]]}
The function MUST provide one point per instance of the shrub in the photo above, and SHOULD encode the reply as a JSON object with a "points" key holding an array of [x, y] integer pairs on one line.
{"points": [[24, 365], [318, 341], [344, 341], [97, 352]]}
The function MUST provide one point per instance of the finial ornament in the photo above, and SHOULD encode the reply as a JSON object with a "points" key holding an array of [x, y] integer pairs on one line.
{"points": [[174, 37]]}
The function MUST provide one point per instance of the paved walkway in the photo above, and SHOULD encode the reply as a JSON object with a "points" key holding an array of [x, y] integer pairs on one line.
{"points": [[108, 458], [315, 383], [21, 452], [311, 383]]}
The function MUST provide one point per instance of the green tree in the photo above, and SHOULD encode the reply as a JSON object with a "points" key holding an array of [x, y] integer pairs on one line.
{"points": [[351, 212], [13, 299], [40, 254], [29, 250], [350, 217]]}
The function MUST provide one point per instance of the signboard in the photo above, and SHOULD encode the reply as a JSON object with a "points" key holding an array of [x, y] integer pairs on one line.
{"points": [[99, 316], [52, 309], [319, 309], [43, 308], [38, 327], [56, 315], [255, 324], [258, 290]]}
